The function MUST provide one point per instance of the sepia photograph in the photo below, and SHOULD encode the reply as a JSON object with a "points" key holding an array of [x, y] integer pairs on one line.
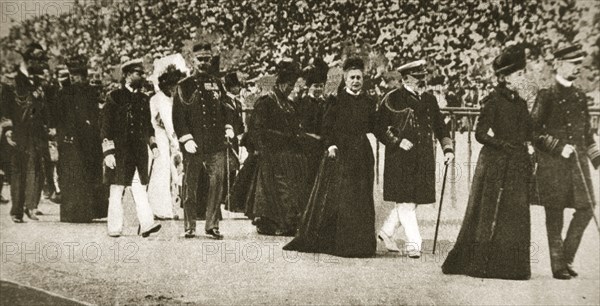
{"points": [[299, 152]]}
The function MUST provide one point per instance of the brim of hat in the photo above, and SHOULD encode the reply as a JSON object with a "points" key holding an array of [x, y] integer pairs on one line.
{"points": [[202, 54], [506, 70], [578, 59]]}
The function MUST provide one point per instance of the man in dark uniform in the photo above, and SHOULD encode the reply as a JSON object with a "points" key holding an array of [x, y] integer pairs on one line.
{"points": [[80, 164], [126, 131], [563, 137], [407, 117], [202, 121], [29, 134]]}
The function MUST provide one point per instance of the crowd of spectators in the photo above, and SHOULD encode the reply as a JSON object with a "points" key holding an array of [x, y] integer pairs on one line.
{"points": [[459, 38]]}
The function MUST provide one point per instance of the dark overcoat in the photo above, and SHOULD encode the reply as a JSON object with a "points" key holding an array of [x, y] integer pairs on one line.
{"points": [[561, 117], [80, 163], [409, 176]]}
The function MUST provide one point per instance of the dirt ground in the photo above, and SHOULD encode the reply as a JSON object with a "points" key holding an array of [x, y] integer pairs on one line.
{"points": [[80, 261]]}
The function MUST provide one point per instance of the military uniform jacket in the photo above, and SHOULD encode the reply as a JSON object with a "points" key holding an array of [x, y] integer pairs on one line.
{"points": [[561, 117], [126, 123], [409, 176], [200, 112], [28, 113]]}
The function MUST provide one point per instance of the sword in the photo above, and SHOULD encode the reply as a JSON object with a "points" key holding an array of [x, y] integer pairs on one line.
{"points": [[587, 189]]}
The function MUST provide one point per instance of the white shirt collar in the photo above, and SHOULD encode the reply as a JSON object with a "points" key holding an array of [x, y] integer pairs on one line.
{"points": [[23, 69], [130, 88], [352, 93], [231, 95], [410, 89], [562, 81]]}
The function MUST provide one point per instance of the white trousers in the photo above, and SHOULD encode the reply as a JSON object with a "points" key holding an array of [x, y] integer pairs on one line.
{"points": [[404, 214], [115, 206]]}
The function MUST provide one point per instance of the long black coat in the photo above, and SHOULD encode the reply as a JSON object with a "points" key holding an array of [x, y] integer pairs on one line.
{"points": [[561, 117], [409, 176], [80, 164], [494, 239], [282, 184], [340, 217], [126, 121]]}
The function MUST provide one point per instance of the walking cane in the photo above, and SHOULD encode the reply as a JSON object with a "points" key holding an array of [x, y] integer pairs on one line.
{"points": [[587, 189], [228, 204], [437, 223]]}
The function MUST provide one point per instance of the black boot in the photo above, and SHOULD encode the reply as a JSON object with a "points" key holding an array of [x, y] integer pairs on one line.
{"points": [[571, 271], [562, 274]]}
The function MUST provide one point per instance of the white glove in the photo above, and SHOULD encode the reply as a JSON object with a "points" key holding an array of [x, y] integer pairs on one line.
{"points": [[190, 146], [530, 149], [332, 151], [229, 133], [9, 139], [52, 132], [110, 161], [155, 153], [406, 145], [567, 151], [448, 158]]}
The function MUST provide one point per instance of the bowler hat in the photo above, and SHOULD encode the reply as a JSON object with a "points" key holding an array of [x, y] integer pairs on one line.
{"points": [[510, 60]]}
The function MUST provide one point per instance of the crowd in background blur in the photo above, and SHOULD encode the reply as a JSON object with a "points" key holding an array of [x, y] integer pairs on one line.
{"points": [[459, 39]]}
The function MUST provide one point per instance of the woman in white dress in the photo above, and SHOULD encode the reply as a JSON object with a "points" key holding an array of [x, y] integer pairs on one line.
{"points": [[161, 104]]}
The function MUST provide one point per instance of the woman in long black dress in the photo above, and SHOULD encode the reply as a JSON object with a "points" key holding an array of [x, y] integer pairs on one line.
{"points": [[340, 217], [282, 187], [494, 240]]}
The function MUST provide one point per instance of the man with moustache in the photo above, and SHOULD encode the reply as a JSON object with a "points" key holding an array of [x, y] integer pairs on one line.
{"points": [[203, 122], [126, 131], [28, 134], [407, 117], [563, 137]]}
